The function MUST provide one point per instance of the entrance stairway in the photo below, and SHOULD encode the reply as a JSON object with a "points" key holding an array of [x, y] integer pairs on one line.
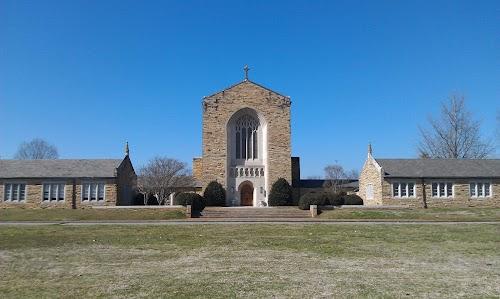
{"points": [[254, 213]]}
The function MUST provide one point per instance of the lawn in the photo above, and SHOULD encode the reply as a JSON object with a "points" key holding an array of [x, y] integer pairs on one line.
{"points": [[251, 260], [54, 214], [434, 214]]}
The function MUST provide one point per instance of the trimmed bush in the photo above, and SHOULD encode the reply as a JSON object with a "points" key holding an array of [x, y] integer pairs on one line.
{"points": [[353, 199], [195, 200], [336, 199], [281, 193], [214, 194], [314, 198]]}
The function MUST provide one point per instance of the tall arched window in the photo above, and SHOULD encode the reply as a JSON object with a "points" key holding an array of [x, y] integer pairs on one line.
{"points": [[246, 138]]}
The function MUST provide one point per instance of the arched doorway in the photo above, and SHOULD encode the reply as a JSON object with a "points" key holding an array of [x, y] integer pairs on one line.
{"points": [[246, 194]]}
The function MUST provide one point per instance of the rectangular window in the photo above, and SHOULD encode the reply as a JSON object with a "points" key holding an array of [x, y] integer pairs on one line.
{"points": [[411, 189], [93, 192], [14, 192], [401, 189], [472, 189], [434, 190], [369, 191], [442, 189], [480, 189], [395, 189], [53, 192]]}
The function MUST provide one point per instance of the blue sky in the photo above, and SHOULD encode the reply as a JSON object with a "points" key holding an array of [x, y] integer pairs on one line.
{"points": [[89, 75]]}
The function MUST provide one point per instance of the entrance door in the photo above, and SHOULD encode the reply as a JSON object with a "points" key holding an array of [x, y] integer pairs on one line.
{"points": [[246, 195]]}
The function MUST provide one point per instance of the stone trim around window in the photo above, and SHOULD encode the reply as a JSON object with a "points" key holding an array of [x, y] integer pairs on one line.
{"points": [[51, 192], [93, 192], [442, 189], [480, 189], [14, 192], [404, 189]]}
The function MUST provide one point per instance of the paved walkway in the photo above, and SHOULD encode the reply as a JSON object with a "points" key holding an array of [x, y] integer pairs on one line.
{"points": [[241, 221]]}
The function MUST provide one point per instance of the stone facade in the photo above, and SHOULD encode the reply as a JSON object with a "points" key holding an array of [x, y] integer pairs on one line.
{"points": [[381, 192], [72, 193], [272, 110], [118, 190], [371, 178]]}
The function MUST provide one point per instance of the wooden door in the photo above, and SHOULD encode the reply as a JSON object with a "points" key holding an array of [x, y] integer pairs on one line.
{"points": [[246, 195]]}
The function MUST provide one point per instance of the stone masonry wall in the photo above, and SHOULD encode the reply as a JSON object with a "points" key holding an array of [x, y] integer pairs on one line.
{"points": [[460, 197], [370, 174], [197, 169], [218, 109], [34, 194]]}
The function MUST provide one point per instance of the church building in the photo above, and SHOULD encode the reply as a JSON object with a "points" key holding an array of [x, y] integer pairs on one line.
{"points": [[246, 143]]}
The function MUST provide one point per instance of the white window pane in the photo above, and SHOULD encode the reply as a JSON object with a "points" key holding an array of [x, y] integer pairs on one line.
{"points": [[22, 191], [411, 189], [480, 189], [93, 192], [46, 191], [15, 191], [441, 189], [434, 189], [449, 189], [403, 190], [487, 189], [395, 189], [8, 192], [60, 192], [101, 192], [86, 189], [53, 192], [472, 189]]}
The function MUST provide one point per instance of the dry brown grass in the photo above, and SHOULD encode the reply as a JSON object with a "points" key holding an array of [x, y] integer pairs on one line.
{"points": [[249, 261]]}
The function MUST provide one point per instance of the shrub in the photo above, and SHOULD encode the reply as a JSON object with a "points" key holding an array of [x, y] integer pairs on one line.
{"points": [[195, 200], [353, 199], [314, 198], [281, 193], [214, 194], [336, 199]]}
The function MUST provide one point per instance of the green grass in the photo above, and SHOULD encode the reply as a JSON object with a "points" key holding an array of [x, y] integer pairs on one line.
{"points": [[435, 214], [18, 214], [251, 260]]}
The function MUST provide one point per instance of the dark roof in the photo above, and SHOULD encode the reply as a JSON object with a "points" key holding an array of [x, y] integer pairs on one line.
{"points": [[319, 183], [246, 81], [440, 168], [61, 168], [312, 183]]}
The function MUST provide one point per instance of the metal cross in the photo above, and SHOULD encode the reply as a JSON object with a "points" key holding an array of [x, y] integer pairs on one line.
{"points": [[246, 69]]}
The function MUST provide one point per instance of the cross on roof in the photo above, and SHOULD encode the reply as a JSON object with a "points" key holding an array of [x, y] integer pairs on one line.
{"points": [[246, 69]]}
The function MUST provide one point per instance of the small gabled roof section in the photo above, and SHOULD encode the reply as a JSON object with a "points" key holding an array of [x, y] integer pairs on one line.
{"points": [[60, 168], [245, 81], [440, 168]]}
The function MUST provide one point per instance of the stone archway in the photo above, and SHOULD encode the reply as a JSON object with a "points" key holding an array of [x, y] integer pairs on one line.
{"points": [[246, 194]]}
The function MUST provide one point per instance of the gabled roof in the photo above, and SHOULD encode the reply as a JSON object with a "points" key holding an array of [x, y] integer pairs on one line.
{"points": [[61, 168], [246, 81], [440, 168]]}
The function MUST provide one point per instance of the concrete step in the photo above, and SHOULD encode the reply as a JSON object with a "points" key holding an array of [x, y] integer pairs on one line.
{"points": [[250, 212]]}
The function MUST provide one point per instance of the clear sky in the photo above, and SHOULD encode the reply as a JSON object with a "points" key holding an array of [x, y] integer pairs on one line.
{"points": [[89, 75]]}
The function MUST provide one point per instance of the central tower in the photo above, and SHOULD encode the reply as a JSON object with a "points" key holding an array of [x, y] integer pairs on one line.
{"points": [[246, 142]]}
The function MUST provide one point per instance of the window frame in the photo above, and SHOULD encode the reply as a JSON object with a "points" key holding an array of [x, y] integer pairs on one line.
{"points": [[50, 190], [482, 182], [15, 183], [439, 182], [407, 189], [89, 200]]}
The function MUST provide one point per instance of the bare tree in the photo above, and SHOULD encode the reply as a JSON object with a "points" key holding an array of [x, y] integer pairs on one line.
{"points": [[161, 176], [36, 149], [454, 135]]}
